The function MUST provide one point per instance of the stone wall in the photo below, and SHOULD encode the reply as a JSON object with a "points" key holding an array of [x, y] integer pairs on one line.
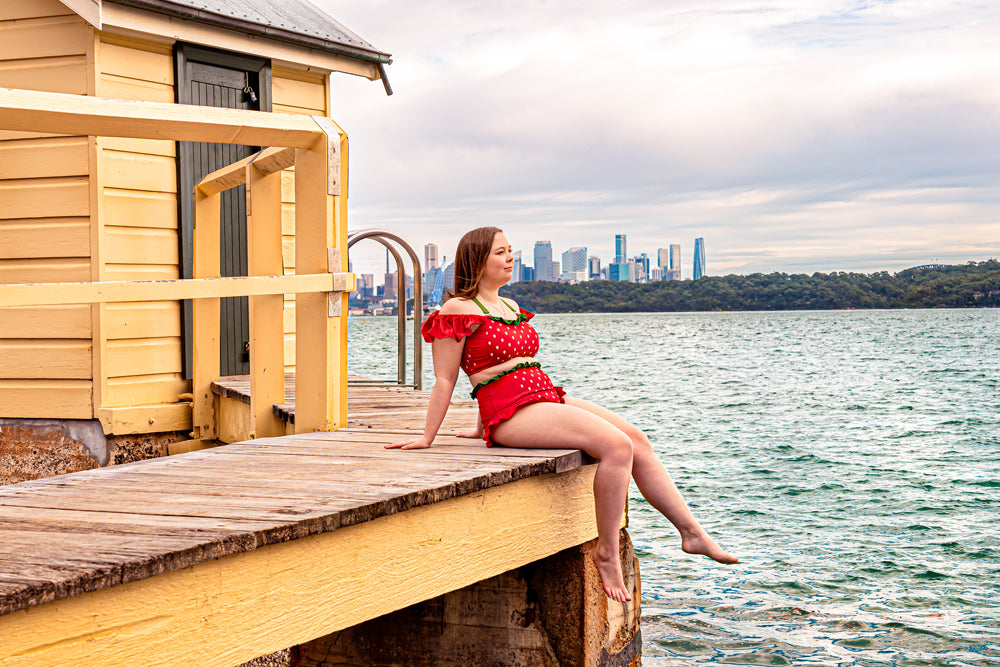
{"points": [[37, 448]]}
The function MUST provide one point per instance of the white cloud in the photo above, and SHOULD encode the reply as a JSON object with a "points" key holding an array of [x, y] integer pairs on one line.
{"points": [[796, 136]]}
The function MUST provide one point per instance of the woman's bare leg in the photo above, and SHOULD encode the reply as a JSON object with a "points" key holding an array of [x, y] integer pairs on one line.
{"points": [[554, 426], [658, 488]]}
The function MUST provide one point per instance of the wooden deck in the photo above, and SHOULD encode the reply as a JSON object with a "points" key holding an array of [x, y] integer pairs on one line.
{"points": [[384, 408], [126, 560]]}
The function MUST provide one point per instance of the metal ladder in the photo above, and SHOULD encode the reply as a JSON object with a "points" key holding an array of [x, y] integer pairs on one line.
{"points": [[388, 239]]}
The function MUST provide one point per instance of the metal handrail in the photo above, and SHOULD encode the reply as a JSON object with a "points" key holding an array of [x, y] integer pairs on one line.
{"points": [[384, 237]]}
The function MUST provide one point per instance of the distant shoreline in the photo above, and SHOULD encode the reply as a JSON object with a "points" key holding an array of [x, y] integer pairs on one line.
{"points": [[972, 285]]}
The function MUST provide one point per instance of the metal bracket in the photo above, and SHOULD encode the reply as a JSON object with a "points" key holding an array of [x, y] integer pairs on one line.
{"points": [[333, 154], [342, 282]]}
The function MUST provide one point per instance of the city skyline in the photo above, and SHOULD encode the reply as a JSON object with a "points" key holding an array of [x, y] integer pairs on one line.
{"points": [[803, 137]]}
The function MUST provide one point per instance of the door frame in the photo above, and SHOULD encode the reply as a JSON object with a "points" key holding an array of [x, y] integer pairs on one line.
{"points": [[184, 55]]}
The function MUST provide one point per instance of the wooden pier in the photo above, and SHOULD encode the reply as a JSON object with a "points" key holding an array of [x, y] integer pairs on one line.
{"points": [[217, 556]]}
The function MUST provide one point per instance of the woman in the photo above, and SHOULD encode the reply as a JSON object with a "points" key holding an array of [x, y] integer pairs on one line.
{"points": [[490, 339]]}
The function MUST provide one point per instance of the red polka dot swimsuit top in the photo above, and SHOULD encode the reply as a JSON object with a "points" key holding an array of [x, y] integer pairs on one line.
{"points": [[495, 341]]}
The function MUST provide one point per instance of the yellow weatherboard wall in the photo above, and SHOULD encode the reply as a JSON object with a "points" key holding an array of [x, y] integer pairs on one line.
{"points": [[106, 209], [46, 365]]}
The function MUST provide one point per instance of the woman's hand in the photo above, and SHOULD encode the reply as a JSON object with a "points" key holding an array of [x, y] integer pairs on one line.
{"points": [[476, 432], [416, 443]]}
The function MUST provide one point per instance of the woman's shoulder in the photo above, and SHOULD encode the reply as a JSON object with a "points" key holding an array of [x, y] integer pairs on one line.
{"points": [[460, 306], [513, 304]]}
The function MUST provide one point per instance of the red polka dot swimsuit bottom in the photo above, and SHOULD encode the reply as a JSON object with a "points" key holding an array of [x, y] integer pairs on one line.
{"points": [[490, 341], [501, 396]]}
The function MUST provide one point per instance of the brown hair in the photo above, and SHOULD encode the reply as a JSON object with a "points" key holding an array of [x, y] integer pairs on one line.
{"points": [[470, 261]]}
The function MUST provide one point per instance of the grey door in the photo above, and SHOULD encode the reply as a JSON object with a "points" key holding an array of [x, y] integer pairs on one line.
{"points": [[219, 79]]}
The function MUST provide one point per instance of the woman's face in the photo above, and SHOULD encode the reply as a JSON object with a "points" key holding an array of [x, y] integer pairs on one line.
{"points": [[500, 263]]}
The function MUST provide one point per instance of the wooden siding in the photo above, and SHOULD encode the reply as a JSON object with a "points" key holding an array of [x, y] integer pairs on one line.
{"points": [[294, 91], [138, 190], [45, 352]]}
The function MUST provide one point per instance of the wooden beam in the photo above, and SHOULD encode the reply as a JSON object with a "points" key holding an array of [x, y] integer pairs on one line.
{"points": [[43, 294], [206, 316], [33, 111], [145, 418], [267, 331], [232, 609], [268, 161], [320, 344]]}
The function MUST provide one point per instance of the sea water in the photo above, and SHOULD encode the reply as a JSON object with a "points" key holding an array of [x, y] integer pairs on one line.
{"points": [[851, 459]]}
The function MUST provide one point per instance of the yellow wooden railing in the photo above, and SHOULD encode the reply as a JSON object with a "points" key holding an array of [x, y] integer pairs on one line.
{"points": [[317, 148]]}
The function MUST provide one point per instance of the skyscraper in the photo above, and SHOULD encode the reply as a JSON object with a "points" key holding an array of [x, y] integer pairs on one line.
{"points": [[699, 259], [642, 262], [663, 258], [430, 256], [675, 258], [620, 249], [619, 271], [543, 261], [594, 262], [574, 265], [516, 275], [449, 278], [391, 284]]}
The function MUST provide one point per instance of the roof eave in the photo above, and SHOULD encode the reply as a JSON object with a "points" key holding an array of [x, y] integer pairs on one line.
{"points": [[249, 27]]}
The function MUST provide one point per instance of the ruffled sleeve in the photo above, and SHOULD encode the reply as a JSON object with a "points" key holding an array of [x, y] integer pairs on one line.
{"points": [[445, 326], [526, 314]]}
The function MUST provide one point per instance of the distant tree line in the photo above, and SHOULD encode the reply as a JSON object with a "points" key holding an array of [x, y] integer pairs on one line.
{"points": [[976, 284]]}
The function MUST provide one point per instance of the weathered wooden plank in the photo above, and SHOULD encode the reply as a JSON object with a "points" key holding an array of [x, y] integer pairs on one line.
{"points": [[301, 91], [31, 9], [44, 238], [48, 399], [43, 158], [321, 339], [137, 171], [138, 208], [45, 322], [132, 59], [145, 390], [122, 88], [142, 146], [45, 198], [45, 358], [267, 162], [308, 587], [60, 74], [206, 314], [44, 37], [145, 418], [143, 356], [121, 273], [140, 245], [152, 319], [109, 521], [148, 287], [48, 112]]}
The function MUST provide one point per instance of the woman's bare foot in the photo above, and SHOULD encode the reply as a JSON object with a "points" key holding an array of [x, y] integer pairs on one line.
{"points": [[612, 581], [701, 544]]}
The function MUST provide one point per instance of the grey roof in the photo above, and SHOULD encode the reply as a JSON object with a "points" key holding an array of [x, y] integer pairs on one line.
{"points": [[295, 21]]}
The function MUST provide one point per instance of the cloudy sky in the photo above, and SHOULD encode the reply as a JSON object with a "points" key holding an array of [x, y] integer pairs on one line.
{"points": [[793, 135]]}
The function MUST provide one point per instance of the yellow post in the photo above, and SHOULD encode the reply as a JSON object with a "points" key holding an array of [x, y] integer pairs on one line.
{"points": [[267, 359], [206, 320], [320, 320]]}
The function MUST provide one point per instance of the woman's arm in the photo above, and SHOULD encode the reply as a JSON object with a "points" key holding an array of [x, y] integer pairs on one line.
{"points": [[447, 354]]}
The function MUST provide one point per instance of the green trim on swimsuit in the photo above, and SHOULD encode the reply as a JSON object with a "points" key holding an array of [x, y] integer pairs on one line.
{"points": [[519, 317], [523, 364]]}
